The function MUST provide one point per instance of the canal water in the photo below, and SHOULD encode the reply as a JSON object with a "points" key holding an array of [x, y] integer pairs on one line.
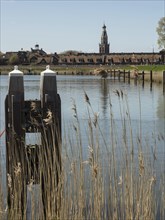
{"points": [[145, 106]]}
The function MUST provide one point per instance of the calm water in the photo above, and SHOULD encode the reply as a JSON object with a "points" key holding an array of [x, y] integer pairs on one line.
{"points": [[147, 108]]}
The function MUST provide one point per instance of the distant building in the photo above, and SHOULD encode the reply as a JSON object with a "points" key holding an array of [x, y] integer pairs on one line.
{"points": [[38, 56], [104, 57], [38, 50], [111, 58], [104, 45], [23, 56]]}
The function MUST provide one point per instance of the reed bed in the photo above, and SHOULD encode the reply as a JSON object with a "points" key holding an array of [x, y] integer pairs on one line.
{"points": [[98, 177]]}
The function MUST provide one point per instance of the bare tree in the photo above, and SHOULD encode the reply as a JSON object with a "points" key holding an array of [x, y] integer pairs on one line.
{"points": [[161, 32]]}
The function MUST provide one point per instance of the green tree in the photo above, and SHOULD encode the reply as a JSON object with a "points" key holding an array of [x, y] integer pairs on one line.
{"points": [[161, 32], [13, 60]]}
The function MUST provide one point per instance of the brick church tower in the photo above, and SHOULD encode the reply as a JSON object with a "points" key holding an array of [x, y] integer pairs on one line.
{"points": [[104, 46]]}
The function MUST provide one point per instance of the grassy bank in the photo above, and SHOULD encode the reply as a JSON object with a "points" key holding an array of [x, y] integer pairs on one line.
{"points": [[91, 69], [119, 176], [86, 69], [154, 68], [33, 69]]}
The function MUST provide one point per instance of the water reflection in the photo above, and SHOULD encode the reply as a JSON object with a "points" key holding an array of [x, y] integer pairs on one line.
{"points": [[99, 91], [104, 91], [161, 107], [160, 123]]}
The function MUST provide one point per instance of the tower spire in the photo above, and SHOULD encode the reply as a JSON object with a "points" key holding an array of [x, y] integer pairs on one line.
{"points": [[104, 45]]}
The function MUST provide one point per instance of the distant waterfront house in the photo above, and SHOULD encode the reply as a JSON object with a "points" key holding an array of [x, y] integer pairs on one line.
{"points": [[38, 50], [3, 59], [23, 57], [162, 52], [33, 59], [54, 58], [26, 58], [46, 60]]}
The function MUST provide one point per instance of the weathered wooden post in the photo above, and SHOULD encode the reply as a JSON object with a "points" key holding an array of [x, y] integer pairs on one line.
{"points": [[114, 74], [142, 78], [151, 76], [51, 136], [124, 75], [129, 76], [39, 163], [151, 80], [163, 81], [15, 141], [119, 75]]}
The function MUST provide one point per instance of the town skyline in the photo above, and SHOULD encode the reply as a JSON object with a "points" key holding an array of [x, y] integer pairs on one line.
{"points": [[59, 26]]}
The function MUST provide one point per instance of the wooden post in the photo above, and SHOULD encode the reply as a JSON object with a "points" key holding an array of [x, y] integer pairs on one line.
{"points": [[119, 75], [142, 78], [129, 76], [151, 76], [21, 117], [124, 75], [163, 81], [15, 141], [151, 80], [51, 134]]}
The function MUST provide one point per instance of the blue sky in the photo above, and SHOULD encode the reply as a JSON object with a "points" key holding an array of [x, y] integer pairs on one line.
{"points": [[58, 26]]}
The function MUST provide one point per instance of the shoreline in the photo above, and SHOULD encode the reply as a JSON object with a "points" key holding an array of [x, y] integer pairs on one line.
{"points": [[90, 70]]}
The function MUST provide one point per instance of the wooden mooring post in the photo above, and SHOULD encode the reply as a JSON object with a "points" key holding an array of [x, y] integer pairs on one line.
{"points": [[142, 78], [15, 141], [124, 74], [151, 80], [114, 74], [164, 82], [136, 77], [26, 163], [129, 76], [151, 76], [119, 75]]}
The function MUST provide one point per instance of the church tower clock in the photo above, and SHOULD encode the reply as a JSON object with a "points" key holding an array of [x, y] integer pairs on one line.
{"points": [[104, 46]]}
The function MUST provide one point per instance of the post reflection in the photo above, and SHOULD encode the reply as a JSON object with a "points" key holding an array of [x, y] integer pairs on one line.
{"points": [[104, 91]]}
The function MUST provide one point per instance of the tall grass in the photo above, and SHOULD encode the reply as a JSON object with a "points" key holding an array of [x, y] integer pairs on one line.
{"points": [[97, 177]]}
